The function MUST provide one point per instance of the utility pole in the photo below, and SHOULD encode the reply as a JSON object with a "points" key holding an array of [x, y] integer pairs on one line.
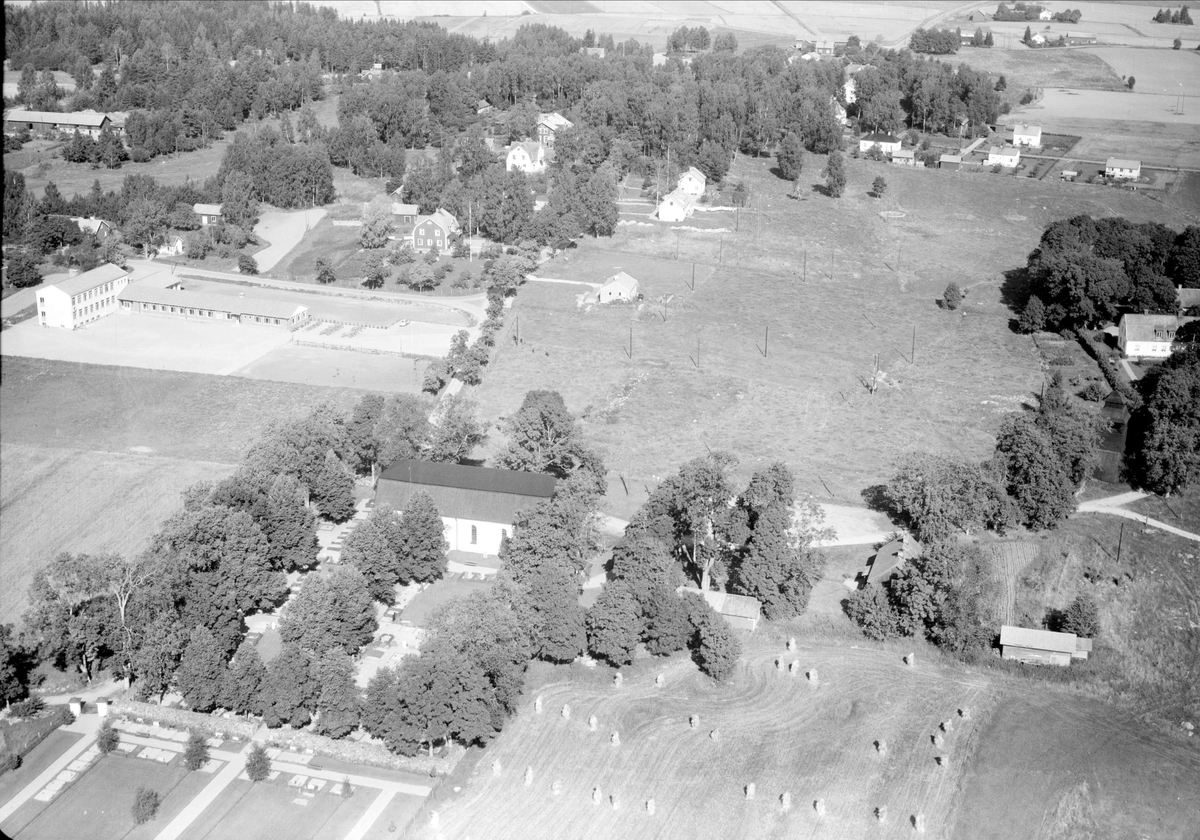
{"points": [[912, 357], [1120, 539], [766, 338], [631, 341], [875, 374]]}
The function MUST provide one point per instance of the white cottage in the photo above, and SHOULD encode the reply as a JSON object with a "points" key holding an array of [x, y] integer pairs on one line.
{"points": [[1008, 156], [1027, 135], [528, 156], [1149, 336], [618, 287], [692, 182], [887, 143], [478, 504], [1125, 169]]}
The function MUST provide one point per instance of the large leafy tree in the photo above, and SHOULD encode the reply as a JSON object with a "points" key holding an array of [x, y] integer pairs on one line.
{"points": [[941, 495], [1165, 431], [1033, 471], [371, 549], [339, 704], [715, 649], [332, 610], [422, 544], [200, 676], [543, 436], [614, 624], [243, 681], [158, 656], [289, 693]]}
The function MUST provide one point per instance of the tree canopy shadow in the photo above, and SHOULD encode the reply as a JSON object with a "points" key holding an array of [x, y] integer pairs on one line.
{"points": [[821, 189], [877, 499]]}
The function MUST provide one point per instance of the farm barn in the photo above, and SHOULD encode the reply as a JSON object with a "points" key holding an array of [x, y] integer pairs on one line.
{"points": [[890, 557], [478, 504], [1042, 647]]}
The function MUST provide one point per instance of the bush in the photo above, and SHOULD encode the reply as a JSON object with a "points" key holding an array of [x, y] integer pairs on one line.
{"points": [[9, 761], [953, 296], [139, 155], [1094, 392], [107, 738], [1082, 617], [195, 755], [27, 708], [145, 805], [247, 264], [1062, 360]]}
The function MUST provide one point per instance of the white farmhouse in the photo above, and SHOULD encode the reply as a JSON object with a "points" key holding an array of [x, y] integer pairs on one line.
{"points": [[692, 182], [1149, 336], [1126, 169], [676, 206], [887, 143], [1027, 135], [1008, 156]]}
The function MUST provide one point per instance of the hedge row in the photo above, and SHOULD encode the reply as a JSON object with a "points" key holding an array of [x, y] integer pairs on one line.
{"points": [[365, 752], [184, 719]]}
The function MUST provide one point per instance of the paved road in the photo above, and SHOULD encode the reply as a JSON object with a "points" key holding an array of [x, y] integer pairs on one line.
{"points": [[283, 230]]}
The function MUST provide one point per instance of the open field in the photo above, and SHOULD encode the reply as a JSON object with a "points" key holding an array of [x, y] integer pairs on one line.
{"points": [[179, 415], [805, 402], [776, 730], [283, 230], [1154, 143], [329, 367], [103, 795], [1050, 766], [54, 500], [1156, 71], [1062, 103], [12, 80], [1024, 69]]}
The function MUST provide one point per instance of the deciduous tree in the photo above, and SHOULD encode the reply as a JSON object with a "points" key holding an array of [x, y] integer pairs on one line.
{"points": [[334, 609], [835, 174], [289, 693], [201, 672]]}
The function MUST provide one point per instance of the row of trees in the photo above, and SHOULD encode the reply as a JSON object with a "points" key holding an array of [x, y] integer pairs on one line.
{"points": [[1087, 271], [1180, 15], [935, 41]]}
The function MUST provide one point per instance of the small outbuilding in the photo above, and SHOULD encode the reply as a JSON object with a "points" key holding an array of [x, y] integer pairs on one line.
{"points": [[1038, 647], [96, 227], [740, 611], [950, 162], [890, 557], [904, 157], [1111, 450], [1123, 169], [618, 287], [210, 214]]}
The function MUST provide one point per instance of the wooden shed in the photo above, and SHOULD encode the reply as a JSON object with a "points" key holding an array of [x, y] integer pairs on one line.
{"points": [[1038, 647]]}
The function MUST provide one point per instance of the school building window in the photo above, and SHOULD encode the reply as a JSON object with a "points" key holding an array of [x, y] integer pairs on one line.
{"points": [[474, 535]]}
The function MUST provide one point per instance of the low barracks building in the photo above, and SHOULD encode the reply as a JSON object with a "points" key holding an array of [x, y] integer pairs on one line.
{"points": [[173, 301], [478, 504]]}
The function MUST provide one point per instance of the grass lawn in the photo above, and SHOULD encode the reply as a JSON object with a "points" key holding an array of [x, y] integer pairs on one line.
{"points": [[1181, 510], [266, 811], [57, 500], [329, 367], [394, 818], [102, 797], [1029, 69], [36, 761], [180, 415], [426, 603]]}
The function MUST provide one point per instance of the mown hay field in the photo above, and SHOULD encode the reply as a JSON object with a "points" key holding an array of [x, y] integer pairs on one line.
{"points": [[54, 500], [825, 284], [779, 731]]}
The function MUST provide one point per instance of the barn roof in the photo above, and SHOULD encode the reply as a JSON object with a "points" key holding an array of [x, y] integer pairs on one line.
{"points": [[1038, 639], [727, 603], [904, 154], [399, 209], [78, 118], [91, 279], [480, 493]]}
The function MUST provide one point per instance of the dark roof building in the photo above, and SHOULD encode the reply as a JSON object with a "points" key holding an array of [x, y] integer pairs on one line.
{"points": [[476, 494]]}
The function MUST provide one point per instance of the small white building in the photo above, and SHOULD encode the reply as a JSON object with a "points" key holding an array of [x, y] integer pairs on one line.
{"points": [[850, 87], [478, 505], [618, 287], [71, 303], [904, 157], [950, 162], [1045, 14], [676, 206], [173, 247], [528, 156], [1149, 336], [1042, 647], [659, 60], [1027, 135], [692, 182], [887, 143], [210, 214], [1120, 168], [839, 112], [1008, 156]]}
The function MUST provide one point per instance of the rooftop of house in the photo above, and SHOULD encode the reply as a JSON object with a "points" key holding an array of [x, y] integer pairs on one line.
{"points": [[90, 224], [1188, 297], [623, 280], [1152, 327], [206, 209], [1122, 163], [1038, 639], [399, 209], [1004, 151], [531, 147], [904, 153], [684, 200], [91, 279], [695, 173], [880, 137], [554, 120]]}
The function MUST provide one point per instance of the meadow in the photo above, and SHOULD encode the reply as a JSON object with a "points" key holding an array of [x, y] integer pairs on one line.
{"points": [[826, 285], [54, 500], [780, 731], [1025, 69]]}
